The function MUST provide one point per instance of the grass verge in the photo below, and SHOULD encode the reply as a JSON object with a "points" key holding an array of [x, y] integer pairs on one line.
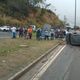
{"points": [[18, 53]]}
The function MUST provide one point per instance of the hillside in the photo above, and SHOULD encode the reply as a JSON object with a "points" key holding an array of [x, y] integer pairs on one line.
{"points": [[13, 15]]}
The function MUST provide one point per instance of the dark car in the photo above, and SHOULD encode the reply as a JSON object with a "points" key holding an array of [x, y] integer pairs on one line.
{"points": [[73, 38]]}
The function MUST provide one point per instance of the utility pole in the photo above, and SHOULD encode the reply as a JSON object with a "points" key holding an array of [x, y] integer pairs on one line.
{"points": [[65, 21], [75, 15]]}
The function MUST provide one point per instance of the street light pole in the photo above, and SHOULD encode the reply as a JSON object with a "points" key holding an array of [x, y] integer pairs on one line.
{"points": [[65, 21], [75, 15]]}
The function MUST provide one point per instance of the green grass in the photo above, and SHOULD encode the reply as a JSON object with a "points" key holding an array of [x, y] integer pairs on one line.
{"points": [[13, 57]]}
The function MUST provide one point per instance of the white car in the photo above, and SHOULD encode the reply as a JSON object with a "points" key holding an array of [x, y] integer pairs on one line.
{"points": [[5, 28]]}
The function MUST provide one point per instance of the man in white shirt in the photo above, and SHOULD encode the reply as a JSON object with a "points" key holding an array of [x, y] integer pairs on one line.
{"points": [[13, 32]]}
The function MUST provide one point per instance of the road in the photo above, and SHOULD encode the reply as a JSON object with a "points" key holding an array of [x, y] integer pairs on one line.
{"points": [[64, 64], [65, 67], [75, 66], [5, 34]]}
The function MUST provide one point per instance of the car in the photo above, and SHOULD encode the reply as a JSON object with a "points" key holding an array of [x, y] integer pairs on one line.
{"points": [[73, 38], [5, 28]]}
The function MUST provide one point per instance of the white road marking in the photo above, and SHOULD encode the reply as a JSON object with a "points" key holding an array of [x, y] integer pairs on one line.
{"points": [[47, 64]]}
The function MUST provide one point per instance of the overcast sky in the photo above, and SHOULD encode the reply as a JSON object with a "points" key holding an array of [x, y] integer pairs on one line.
{"points": [[66, 8]]}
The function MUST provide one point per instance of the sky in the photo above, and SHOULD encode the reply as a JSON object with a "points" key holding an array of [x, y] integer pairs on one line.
{"points": [[66, 8]]}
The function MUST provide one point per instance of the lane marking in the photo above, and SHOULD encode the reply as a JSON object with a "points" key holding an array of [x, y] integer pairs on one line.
{"points": [[47, 64]]}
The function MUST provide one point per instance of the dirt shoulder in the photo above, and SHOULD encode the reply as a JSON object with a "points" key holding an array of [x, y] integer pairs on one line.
{"points": [[15, 54]]}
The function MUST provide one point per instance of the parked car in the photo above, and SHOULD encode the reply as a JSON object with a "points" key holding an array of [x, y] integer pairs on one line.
{"points": [[5, 28]]}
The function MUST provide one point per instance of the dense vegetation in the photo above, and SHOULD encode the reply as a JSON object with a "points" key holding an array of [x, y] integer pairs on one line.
{"points": [[24, 12]]}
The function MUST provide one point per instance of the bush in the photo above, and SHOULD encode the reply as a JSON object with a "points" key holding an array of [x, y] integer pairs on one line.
{"points": [[8, 21]]}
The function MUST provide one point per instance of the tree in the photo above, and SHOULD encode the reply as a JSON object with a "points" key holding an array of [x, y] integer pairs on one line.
{"points": [[19, 7]]}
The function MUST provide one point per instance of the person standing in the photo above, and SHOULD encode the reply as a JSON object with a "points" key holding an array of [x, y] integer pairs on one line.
{"points": [[30, 32], [13, 32], [52, 34], [46, 35], [38, 34], [21, 31], [25, 33]]}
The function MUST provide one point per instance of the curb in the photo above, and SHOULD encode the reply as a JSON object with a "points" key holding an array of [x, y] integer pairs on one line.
{"points": [[24, 70]]}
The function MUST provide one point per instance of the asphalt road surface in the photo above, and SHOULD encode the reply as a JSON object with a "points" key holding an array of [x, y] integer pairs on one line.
{"points": [[65, 67], [64, 64], [5, 34], [75, 67]]}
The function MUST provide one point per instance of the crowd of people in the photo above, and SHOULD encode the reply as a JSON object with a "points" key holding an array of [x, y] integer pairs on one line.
{"points": [[40, 33], [22, 32], [50, 34]]}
